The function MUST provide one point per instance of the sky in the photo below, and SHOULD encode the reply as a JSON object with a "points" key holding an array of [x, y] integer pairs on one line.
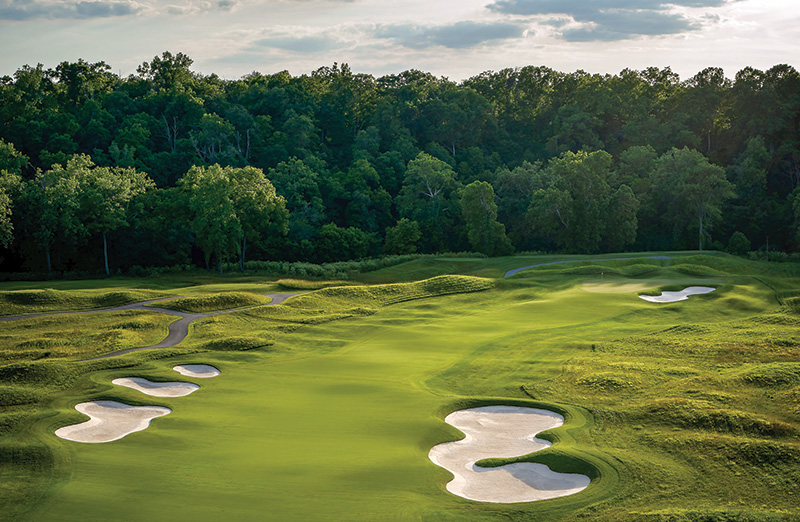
{"points": [[456, 39]]}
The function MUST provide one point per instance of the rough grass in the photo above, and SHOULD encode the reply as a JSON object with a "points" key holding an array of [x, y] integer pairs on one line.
{"points": [[213, 302], [18, 302], [80, 336], [302, 284]]}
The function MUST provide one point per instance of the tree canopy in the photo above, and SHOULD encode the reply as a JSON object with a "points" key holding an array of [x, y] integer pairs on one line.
{"points": [[170, 166]]}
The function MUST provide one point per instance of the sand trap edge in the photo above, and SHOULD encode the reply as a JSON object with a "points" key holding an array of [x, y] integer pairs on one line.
{"points": [[201, 371], [681, 295], [531, 482], [157, 389], [106, 422]]}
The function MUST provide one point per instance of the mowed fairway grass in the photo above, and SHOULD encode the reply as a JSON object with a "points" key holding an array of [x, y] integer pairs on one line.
{"points": [[680, 412]]}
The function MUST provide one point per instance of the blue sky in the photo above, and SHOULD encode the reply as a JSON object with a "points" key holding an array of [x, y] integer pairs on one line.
{"points": [[453, 38]]}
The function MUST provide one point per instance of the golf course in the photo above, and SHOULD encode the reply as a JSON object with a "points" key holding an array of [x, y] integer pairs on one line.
{"points": [[322, 400]]}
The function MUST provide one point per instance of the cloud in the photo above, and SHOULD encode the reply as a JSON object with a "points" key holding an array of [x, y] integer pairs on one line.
{"points": [[459, 35], [227, 5], [609, 20], [579, 7], [19, 10], [300, 44]]}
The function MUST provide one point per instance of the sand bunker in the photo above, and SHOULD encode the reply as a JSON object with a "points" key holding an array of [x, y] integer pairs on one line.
{"points": [[157, 389], [197, 370], [110, 420], [503, 432], [671, 297]]}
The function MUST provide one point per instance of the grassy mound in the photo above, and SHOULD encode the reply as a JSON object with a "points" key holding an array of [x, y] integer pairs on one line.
{"points": [[302, 284], [214, 302], [774, 375], [237, 344], [20, 302], [384, 295]]}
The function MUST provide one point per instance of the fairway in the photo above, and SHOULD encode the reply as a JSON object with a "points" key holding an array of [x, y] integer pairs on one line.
{"points": [[335, 420]]}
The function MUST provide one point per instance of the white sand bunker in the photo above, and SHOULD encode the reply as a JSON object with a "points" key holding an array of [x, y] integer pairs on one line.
{"points": [[197, 370], [157, 389], [671, 297], [109, 421], [503, 432]]}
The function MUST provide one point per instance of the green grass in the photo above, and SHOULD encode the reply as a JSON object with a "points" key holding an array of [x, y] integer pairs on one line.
{"points": [[328, 404], [18, 302], [213, 302]]}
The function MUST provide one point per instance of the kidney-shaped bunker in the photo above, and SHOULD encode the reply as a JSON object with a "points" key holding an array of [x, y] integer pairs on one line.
{"points": [[110, 420], [503, 432]]}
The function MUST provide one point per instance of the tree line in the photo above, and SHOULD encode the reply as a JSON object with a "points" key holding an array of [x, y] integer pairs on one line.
{"points": [[168, 166]]}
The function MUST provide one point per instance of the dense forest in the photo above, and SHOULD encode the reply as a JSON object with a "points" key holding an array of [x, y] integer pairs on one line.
{"points": [[170, 167]]}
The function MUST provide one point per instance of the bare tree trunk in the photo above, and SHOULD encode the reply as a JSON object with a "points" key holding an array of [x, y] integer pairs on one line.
{"points": [[105, 253], [47, 255], [700, 234], [241, 257], [219, 263]]}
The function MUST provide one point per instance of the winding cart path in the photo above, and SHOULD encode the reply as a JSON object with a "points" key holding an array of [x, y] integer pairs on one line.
{"points": [[178, 330]]}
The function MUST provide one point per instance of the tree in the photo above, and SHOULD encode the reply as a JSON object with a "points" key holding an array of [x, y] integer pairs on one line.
{"points": [[51, 208], [339, 244], [261, 211], [485, 233], [9, 186], [11, 160], [227, 206], [402, 238], [738, 244], [514, 189], [571, 209], [299, 184], [106, 196], [622, 224], [692, 186], [429, 197]]}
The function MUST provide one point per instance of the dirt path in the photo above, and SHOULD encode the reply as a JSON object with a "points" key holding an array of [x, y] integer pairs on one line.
{"points": [[178, 330], [515, 270]]}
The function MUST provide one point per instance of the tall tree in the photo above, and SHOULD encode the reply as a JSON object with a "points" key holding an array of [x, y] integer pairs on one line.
{"points": [[227, 206], [106, 197], [429, 197], [51, 207], [485, 233], [571, 210], [694, 188]]}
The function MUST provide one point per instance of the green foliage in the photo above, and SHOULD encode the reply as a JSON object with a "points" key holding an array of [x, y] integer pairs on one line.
{"points": [[486, 235], [402, 238], [738, 244], [428, 197], [691, 189], [228, 205]]}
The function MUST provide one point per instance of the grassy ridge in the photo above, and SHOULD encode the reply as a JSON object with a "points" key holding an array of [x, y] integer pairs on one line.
{"points": [[213, 302], [17, 302]]}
